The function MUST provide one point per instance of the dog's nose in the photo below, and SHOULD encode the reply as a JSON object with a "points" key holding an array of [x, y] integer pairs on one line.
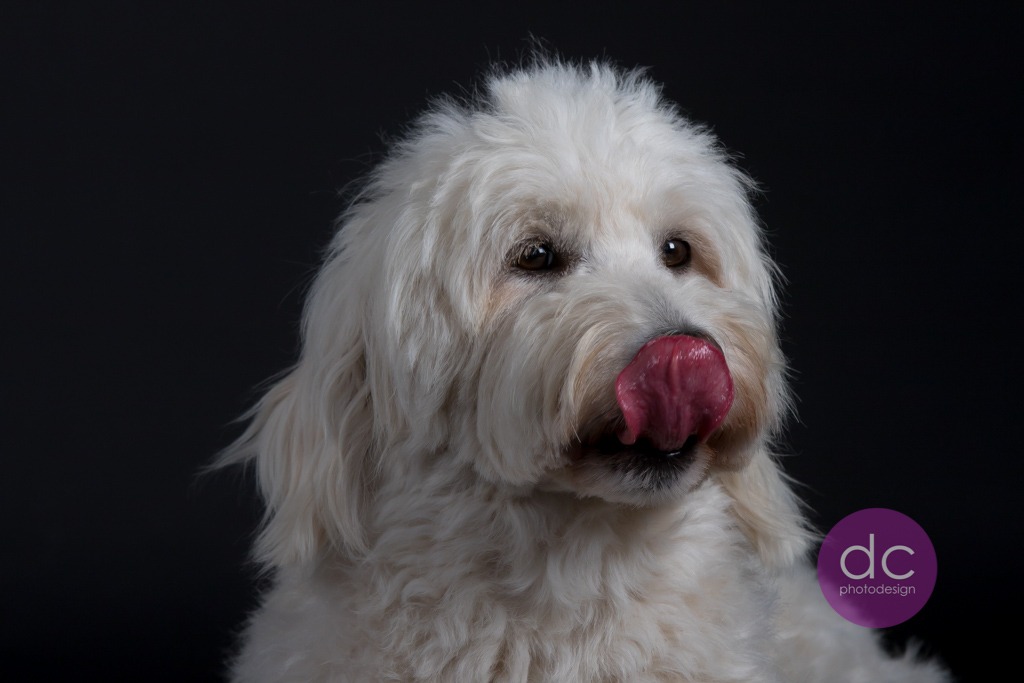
{"points": [[675, 388]]}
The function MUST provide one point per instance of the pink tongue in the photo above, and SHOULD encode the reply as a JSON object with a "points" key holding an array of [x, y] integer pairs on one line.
{"points": [[674, 388]]}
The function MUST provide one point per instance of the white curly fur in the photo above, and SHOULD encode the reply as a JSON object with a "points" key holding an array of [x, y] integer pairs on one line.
{"points": [[429, 516]]}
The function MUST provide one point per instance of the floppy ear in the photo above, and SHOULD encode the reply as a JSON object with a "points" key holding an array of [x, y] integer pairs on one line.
{"points": [[310, 436], [765, 505]]}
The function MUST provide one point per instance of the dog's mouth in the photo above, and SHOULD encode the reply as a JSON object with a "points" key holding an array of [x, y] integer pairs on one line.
{"points": [[644, 449], [660, 466], [671, 397]]}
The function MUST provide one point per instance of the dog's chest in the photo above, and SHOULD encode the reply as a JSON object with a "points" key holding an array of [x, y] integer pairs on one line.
{"points": [[699, 611]]}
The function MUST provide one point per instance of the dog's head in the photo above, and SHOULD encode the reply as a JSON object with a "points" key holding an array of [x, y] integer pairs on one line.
{"points": [[560, 287]]}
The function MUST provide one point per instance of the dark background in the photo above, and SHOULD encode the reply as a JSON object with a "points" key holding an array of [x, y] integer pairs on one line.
{"points": [[170, 176]]}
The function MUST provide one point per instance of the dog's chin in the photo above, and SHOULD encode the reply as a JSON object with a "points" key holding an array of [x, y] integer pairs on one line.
{"points": [[637, 474]]}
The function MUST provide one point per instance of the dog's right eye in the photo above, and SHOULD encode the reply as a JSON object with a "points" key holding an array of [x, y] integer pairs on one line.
{"points": [[537, 257], [676, 253]]}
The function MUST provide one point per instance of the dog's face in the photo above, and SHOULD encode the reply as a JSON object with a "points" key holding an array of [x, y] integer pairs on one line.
{"points": [[533, 251], [560, 288]]}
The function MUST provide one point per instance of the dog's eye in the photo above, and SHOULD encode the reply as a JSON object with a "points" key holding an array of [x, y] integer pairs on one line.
{"points": [[537, 257], [675, 253]]}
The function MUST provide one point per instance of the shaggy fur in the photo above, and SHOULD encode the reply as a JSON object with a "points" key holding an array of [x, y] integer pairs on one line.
{"points": [[437, 507]]}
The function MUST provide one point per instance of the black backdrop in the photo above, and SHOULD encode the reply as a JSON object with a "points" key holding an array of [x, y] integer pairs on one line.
{"points": [[169, 178]]}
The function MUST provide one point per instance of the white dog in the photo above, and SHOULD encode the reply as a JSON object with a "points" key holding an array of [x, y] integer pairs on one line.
{"points": [[528, 435]]}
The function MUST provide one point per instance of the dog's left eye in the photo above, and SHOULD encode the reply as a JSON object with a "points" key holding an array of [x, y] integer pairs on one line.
{"points": [[537, 257], [675, 253]]}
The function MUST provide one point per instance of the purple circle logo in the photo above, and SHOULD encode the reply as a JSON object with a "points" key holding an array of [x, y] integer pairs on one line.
{"points": [[877, 567]]}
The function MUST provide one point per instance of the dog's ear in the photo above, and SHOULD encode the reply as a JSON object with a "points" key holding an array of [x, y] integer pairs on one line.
{"points": [[309, 437], [765, 504]]}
